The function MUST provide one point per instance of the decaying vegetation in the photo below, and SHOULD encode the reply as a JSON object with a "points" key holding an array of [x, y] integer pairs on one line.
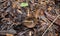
{"points": [[38, 18]]}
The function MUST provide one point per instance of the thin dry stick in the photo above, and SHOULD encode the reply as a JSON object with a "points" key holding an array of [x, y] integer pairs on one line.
{"points": [[50, 25], [30, 33]]}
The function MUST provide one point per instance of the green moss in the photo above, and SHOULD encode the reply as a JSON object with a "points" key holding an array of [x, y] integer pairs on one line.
{"points": [[24, 4]]}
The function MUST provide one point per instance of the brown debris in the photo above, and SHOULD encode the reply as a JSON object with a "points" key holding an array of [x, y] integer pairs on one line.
{"points": [[32, 20]]}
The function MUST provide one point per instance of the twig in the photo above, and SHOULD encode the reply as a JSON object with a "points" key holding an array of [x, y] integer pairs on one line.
{"points": [[50, 25]]}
